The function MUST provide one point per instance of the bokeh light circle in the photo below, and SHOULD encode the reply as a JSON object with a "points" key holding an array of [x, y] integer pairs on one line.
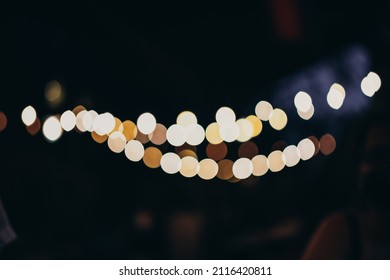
{"points": [[278, 119], [229, 132], [195, 134], [52, 129], [225, 169], [306, 149], [276, 161], [170, 163], [225, 115], [176, 135], [186, 118], [68, 120], [302, 101], [327, 144], [29, 115], [189, 166], [208, 169], [306, 115], [242, 168], [146, 123], [212, 133], [291, 155], [152, 157], [263, 110], [260, 165], [116, 142]]}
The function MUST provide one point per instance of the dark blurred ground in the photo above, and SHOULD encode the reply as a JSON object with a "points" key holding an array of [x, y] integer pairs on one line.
{"points": [[75, 199]]}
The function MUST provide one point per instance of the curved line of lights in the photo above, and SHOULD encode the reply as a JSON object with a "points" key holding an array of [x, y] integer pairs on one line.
{"points": [[186, 134]]}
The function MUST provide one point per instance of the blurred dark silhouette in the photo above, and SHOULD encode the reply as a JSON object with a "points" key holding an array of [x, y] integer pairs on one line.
{"points": [[7, 233], [362, 230]]}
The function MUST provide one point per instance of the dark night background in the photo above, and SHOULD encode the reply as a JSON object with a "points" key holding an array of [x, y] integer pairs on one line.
{"points": [[75, 199]]}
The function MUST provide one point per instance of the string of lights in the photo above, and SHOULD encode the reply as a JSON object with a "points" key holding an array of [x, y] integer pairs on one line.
{"points": [[186, 134]]}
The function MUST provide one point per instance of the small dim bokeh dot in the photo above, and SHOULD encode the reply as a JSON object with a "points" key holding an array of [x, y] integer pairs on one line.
{"points": [[3, 121]]}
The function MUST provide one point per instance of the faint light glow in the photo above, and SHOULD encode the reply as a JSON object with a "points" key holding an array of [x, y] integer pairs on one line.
{"points": [[104, 123], [212, 134], [306, 115], [52, 129], [257, 125], [79, 121], [316, 144], [229, 132], [186, 118], [187, 153], [170, 163], [234, 180], [208, 169], [250, 181], [184, 147], [159, 135], [68, 120], [327, 144], [3, 121], [278, 119], [242, 168], [246, 130], [189, 166], [54, 93], [176, 135], [263, 110], [99, 138], [336, 96], [195, 134], [152, 157], [78, 109], [129, 130], [29, 115], [146, 123], [34, 128], [225, 115], [306, 149], [143, 220], [302, 101], [248, 150], [225, 169], [279, 145], [260, 165], [291, 155], [216, 152], [116, 142], [276, 161], [143, 138]]}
